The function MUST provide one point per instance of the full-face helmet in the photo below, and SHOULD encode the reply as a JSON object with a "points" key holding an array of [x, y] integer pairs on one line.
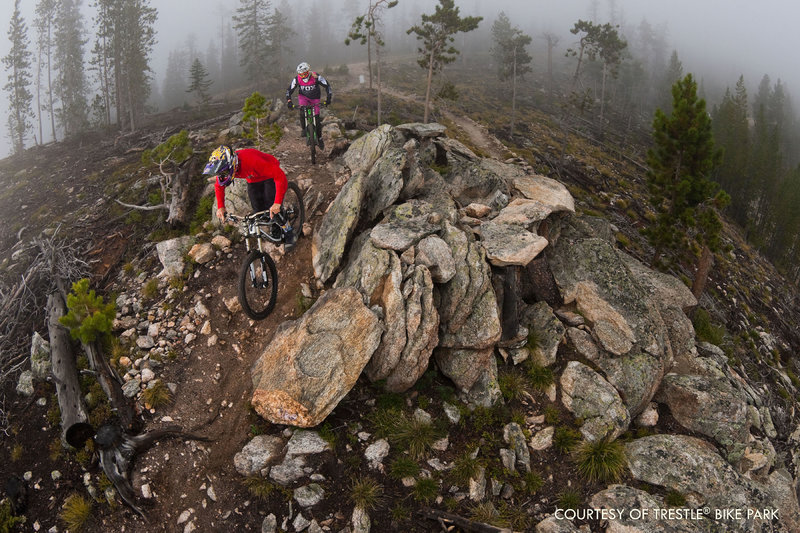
{"points": [[303, 70], [222, 164]]}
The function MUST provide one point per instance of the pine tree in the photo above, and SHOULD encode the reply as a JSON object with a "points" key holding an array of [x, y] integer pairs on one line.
{"points": [[366, 30], [44, 24], [512, 59], [437, 33], [672, 74], [251, 23], [681, 162], [71, 82], [280, 35], [18, 65], [597, 40], [731, 133], [200, 82]]}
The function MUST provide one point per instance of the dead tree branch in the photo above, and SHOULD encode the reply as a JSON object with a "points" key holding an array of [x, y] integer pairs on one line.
{"points": [[461, 522]]}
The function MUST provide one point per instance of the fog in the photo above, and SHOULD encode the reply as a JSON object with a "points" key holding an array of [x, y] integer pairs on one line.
{"points": [[716, 40]]}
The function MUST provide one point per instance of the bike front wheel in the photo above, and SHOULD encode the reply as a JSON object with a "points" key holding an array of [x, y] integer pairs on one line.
{"points": [[294, 208], [311, 137], [258, 285]]}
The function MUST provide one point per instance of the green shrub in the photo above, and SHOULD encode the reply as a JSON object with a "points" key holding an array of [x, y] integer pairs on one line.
{"points": [[512, 385], [705, 330], [150, 289], [400, 512], [569, 499], [259, 487], [8, 521], [202, 214], [602, 460], [425, 490], [76, 512], [157, 394], [366, 493], [88, 317], [403, 467], [540, 377], [565, 439], [408, 434], [466, 467], [533, 483], [552, 415], [675, 499]]}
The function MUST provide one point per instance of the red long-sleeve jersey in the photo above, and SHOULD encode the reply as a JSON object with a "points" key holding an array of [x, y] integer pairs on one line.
{"points": [[255, 166]]}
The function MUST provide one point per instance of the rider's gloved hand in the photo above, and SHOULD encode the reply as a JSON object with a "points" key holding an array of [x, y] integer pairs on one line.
{"points": [[221, 213], [289, 104], [327, 102]]}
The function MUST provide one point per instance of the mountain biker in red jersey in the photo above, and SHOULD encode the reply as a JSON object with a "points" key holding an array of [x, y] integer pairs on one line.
{"points": [[266, 181], [309, 93]]}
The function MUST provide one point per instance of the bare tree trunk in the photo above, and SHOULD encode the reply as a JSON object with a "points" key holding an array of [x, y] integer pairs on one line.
{"points": [[428, 87], [50, 87], [378, 58], [178, 207], [65, 373], [703, 269], [513, 94], [369, 59], [603, 96]]}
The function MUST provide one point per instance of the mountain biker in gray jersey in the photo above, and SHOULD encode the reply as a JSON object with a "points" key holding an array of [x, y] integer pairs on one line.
{"points": [[309, 93]]}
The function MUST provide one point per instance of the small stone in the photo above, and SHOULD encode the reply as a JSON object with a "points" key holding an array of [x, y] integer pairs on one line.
{"points": [[184, 516]]}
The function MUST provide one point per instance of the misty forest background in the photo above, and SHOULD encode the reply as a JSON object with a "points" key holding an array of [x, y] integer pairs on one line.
{"points": [[69, 73]]}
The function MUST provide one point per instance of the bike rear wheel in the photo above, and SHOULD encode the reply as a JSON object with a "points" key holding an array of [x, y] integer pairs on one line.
{"points": [[294, 208], [258, 285]]}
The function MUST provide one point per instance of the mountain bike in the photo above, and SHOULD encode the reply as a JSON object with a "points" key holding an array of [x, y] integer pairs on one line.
{"points": [[311, 128], [258, 276]]}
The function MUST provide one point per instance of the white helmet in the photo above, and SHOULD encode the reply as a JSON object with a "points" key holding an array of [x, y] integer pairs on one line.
{"points": [[303, 67]]}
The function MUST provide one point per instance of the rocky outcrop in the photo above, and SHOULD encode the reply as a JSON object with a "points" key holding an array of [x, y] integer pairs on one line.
{"points": [[694, 468], [633, 340], [312, 363]]}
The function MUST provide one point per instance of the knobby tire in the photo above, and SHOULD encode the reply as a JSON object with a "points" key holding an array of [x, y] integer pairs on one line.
{"points": [[294, 199], [253, 302], [311, 132]]}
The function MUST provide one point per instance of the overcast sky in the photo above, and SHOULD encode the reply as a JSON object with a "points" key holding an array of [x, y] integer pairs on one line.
{"points": [[713, 38]]}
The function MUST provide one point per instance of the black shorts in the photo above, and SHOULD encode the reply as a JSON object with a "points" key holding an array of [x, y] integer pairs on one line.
{"points": [[261, 194]]}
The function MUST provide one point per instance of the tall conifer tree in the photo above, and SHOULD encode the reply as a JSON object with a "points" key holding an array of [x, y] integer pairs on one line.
{"points": [[18, 67], [681, 163], [251, 22], [71, 81]]}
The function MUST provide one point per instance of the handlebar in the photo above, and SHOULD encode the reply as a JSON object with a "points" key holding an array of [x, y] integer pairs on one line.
{"points": [[258, 216]]}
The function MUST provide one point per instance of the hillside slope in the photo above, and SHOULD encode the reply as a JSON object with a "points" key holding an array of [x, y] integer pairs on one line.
{"points": [[197, 485]]}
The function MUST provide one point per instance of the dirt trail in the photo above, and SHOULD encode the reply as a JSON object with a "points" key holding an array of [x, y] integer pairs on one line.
{"points": [[478, 134]]}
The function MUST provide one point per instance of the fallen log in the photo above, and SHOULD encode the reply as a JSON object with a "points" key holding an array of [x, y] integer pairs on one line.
{"points": [[65, 371]]}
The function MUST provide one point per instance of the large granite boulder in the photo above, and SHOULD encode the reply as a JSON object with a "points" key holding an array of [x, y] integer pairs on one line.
{"points": [[694, 468], [312, 363], [711, 407], [624, 318], [590, 397], [330, 240]]}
